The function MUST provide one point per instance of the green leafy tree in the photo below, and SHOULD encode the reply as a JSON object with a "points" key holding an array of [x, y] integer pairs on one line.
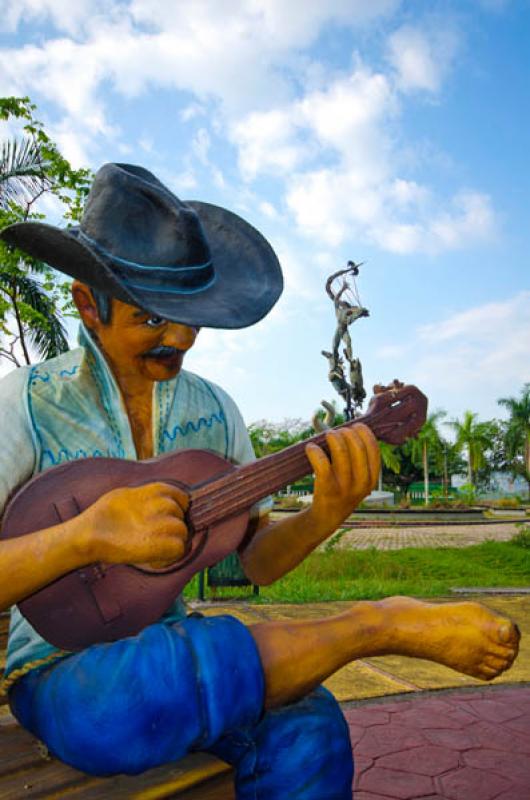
{"points": [[390, 460], [428, 440], [475, 438], [517, 433], [33, 296], [269, 437]]}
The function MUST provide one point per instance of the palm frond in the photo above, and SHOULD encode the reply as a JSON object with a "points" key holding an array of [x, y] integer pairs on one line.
{"points": [[46, 330], [41, 321], [22, 171]]}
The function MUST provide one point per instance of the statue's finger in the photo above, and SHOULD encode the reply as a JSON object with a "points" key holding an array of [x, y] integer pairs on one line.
{"points": [[373, 452], [340, 458], [319, 461], [361, 468]]}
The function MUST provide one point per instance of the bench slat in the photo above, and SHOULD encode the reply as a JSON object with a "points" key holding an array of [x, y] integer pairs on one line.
{"points": [[50, 779], [194, 773], [19, 749]]}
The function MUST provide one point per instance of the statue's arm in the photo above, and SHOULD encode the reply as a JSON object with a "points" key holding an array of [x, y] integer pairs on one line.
{"points": [[341, 483]]}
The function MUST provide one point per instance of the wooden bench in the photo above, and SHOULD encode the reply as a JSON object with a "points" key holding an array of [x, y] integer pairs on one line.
{"points": [[27, 769]]}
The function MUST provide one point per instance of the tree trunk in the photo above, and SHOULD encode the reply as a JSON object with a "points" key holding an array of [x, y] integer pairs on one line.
{"points": [[425, 474], [469, 468], [527, 461], [20, 329]]}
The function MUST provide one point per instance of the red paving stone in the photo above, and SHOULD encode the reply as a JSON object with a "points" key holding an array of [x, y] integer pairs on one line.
{"points": [[456, 745]]}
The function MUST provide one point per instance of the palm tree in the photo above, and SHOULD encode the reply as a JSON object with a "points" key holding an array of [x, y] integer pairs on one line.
{"points": [[517, 439], [474, 437], [427, 439], [389, 459]]}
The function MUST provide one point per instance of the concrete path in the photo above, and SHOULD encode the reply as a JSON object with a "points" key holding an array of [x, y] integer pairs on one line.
{"points": [[426, 536]]}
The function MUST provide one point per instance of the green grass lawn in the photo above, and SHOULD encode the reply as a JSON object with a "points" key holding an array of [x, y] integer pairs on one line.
{"points": [[369, 574]]}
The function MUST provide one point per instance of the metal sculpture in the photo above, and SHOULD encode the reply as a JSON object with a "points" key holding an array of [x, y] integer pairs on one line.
{"points": [[348, 309]]}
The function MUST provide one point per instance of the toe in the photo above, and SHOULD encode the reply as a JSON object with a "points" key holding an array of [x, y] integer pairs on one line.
{"points": [[506, 652], [496, 663], [508, 633], [488, 673]]}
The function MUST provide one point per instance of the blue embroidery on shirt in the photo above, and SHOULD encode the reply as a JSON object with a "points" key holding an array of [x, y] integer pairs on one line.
{"points": [[36, 376], [32, 377], [69, 455], [223, 417], [190, 426], [68, 372]]}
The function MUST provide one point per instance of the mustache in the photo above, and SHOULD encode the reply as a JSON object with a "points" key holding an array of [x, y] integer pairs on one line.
{"points": [[162, 351]]}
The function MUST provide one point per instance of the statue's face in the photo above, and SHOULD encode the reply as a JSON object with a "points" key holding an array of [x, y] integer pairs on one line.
{"points": [[138, 343]]}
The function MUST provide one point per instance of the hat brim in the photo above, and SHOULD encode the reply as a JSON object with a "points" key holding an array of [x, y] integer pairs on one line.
{"points": [[248, 275]]}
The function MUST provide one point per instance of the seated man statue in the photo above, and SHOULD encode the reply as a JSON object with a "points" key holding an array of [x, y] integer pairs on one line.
{"points": [[149, 271]]}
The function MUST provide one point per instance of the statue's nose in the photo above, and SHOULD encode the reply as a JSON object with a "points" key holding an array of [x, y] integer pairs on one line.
{"points": [[180, 336]]}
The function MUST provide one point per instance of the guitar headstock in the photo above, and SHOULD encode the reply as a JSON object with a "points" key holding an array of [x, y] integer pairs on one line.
{"points": [[396, 412]]}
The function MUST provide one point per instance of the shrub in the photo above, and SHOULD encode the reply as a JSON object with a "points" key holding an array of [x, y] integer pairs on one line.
{"points": [[467, 493], [508, 502], [522, 539]]}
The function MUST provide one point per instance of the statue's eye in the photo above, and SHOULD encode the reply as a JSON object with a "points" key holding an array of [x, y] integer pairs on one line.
{"points": [[155, 322]]}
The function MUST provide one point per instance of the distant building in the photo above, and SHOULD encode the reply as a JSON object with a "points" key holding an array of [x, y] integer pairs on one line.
{"points": [[501, 483]]}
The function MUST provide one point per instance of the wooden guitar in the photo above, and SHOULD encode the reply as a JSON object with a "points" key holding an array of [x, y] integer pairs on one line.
{"points": [[105, 602]]}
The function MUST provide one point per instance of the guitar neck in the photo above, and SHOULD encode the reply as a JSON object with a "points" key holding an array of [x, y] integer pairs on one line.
{"points": [[393, 416], [239, 490]]}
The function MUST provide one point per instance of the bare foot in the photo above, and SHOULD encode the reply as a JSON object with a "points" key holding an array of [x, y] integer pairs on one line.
{"points": [[467, 637]]}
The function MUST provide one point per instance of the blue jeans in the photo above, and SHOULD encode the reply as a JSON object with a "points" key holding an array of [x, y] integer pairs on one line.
{"points": [[148, 700]]}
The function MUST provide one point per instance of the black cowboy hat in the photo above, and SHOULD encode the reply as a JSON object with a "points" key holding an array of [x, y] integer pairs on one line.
{"points": [[190, 262]]}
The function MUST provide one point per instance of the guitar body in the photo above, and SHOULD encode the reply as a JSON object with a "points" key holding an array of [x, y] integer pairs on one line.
{"points": [[105, 602]]}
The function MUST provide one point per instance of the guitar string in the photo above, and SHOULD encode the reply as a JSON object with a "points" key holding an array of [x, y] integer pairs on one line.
{"points": [[278, 469], [253, 487], [269, 474]]}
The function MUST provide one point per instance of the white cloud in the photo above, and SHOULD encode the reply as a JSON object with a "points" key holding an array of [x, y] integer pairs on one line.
{"points": [[343, 118], [231, 54], [481, 352], [483, 323], [266, 143], [361, 193], [333, 148], [469, 359], [200, 145], [268, 209], [421, 58], [391, 351]]}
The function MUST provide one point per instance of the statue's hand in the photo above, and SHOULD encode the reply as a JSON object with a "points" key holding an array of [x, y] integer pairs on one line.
{"points": [[345, 479], [143, 524]]}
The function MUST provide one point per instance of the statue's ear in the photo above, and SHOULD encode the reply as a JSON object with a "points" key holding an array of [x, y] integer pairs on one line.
{"points": [[85, 303]]}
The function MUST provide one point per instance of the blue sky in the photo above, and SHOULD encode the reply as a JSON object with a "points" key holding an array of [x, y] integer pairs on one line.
{"points": [[391, 133]]}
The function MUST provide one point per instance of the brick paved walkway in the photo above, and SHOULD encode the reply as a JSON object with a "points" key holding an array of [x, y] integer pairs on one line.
{"points": [[426, 536], [472, 745]]}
